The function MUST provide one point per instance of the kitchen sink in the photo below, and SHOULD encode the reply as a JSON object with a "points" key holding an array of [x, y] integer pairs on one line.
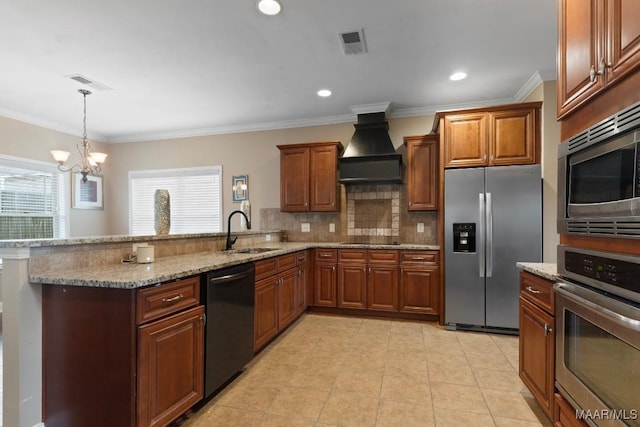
{"points": [[249, 250]]}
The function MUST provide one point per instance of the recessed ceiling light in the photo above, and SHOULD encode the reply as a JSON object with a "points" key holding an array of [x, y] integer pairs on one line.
{"points": [[458, 76], [269, 7], [324, 93]]}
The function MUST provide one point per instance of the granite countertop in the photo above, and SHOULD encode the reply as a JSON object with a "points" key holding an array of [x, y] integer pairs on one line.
{"points": [[133, 275], [547, 270]]}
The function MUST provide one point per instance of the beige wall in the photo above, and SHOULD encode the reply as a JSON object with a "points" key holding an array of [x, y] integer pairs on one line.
{"points": [[546, 92], [251, 153], [27, 141]]}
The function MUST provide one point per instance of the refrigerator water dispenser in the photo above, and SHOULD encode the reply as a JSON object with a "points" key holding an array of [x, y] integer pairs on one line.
{"points": [[464, 237]]}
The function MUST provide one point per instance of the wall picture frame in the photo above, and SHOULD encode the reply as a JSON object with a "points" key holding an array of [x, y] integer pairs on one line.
{"points": [[240, 188], [87, 195]]}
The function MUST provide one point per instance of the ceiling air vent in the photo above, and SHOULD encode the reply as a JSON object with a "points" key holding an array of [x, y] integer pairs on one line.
{"points": [[88, 82], [353, 42]]}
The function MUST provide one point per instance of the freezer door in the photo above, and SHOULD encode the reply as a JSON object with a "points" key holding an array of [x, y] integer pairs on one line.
{"points": [[464, 281], [514, 233]]}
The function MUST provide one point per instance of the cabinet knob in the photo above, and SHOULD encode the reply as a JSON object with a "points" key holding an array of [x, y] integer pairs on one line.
{"points": [[593, 74], [547, 330], [603, 66]]}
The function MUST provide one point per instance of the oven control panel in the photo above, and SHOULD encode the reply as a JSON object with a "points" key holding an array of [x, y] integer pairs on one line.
{"points": [[617, 272]]}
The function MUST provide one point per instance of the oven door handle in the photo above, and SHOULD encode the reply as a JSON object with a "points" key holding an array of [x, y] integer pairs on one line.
{"points": [[605, 306]]}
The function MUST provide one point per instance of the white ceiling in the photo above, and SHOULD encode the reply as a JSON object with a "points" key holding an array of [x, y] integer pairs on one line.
{"points": [[193, 67]]}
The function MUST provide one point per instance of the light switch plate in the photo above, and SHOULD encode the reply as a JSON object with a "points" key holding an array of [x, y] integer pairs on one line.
{"points": [[306, 227], [420, 227], [332, 227]]}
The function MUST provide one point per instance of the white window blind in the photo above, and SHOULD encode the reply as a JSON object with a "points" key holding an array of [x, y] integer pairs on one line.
{"points": [[33, 200], [195, 197]]}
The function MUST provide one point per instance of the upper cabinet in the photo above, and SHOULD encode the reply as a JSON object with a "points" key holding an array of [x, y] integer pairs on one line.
{"points": [[496, 136], [422, 172], [308, 177], [598, 45]]}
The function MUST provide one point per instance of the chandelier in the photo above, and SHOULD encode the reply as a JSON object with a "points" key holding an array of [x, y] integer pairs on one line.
{"points": [[91, 162]]}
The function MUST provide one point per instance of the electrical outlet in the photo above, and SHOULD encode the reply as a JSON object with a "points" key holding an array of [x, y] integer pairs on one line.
{"points": [[332, 227], [306, 227], [268, 237], [420, 227]]}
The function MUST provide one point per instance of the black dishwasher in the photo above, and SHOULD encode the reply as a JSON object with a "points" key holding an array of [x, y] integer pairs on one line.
{"points": [[228, 297]]}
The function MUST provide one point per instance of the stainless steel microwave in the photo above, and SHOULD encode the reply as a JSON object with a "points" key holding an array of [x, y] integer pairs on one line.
{"points": [[599, 178]]}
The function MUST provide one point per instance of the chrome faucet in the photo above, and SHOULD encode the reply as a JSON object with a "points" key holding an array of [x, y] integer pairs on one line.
{"points": [[231, 241]]}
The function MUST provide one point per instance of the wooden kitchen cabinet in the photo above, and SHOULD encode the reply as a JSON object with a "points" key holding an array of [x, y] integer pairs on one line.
{"points": [[420, 282], [565, 414], [155, 375], [302, 282], [326, 263], [422, 172], [309, 177], [598, 45], [496, 136], [537, 339], [368, 279], [276, 299]]}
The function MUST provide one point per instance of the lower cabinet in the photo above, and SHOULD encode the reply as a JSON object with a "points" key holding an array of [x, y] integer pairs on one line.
{"points": [[537, 339], [368, 279], [121, 357], [565, 414], [325, 277], [170, 361], [279, 283], [419, 282]]}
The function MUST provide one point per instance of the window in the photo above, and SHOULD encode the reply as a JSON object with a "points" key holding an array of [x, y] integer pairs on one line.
{"points": [[33, 200], [195, 198]]}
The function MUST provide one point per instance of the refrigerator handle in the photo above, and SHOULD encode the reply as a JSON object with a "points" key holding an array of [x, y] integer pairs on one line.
{"points": [[489, 235], [481, 236]]}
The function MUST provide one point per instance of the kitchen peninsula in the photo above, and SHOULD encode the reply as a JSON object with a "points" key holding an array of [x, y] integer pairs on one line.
{"points": [[96, 263]]}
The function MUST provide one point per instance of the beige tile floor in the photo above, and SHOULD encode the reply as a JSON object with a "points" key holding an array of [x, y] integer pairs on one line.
{"points": [[346, 371]]}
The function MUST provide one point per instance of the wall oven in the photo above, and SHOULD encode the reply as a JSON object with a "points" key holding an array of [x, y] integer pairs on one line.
{"points": [[599, 178], [598, 335]]}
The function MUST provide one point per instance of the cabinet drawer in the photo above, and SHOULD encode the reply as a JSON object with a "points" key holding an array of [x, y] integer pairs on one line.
{"points": [[352, 255], [326, 254], [430, 257], [266, 267], [537, 290], [301, 258], [155, 302], [383, 256], [285, 262]]}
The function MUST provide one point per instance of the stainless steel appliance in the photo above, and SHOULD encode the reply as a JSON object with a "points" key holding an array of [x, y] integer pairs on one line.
{"points": [[228, 296], [598, 335], [493, 219], [599, 178]]}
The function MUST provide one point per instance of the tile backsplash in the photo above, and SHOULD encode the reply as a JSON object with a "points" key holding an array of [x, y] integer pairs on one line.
{"points": [[368, 214]]}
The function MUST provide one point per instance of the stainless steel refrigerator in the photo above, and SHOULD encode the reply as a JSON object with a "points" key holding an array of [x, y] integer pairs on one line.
{"points": [[493, 219]]}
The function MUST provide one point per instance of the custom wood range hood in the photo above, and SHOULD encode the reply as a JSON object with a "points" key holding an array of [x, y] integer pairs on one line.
{"points": [[370, 157]]}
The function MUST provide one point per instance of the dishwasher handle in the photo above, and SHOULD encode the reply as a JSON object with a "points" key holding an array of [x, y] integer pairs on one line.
{"points": [[227, 279]]}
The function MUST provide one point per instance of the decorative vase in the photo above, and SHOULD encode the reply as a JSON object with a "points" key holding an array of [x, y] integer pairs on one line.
{"points": [[162, 211], [245, 207]]}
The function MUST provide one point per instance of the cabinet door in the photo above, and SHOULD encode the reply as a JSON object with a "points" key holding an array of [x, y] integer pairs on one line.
{"points": [[352, 286], [294, 179], [537, 354], [419, 291], [624, 38], [170, 367], [465, 140], [301, 289], [287, 298], [382, 288], [580, 49], [512, 137], [323, 178], [422, 173], [265, 311], [325, 285]]}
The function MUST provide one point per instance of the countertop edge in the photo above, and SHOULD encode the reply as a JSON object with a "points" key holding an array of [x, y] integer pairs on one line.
{"points": [[133, 275], [547, 270]]}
